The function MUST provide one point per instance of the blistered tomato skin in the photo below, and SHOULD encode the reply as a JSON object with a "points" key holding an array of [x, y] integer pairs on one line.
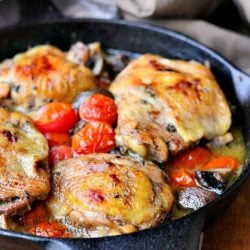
{"points": [[182, 168], [182, 178], [95, 137], [59, 153], [55, 117], [38, 214], [48, 229], [98, 107], [56, 139], [192, 158]]}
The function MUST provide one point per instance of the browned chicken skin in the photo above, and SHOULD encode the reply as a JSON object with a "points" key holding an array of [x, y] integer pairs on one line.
{"points": [[23, 163], [166, 105], [109, 194], [40, 75]]}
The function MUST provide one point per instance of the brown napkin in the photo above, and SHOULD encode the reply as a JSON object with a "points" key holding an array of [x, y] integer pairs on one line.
{"points": [[233, 46]]}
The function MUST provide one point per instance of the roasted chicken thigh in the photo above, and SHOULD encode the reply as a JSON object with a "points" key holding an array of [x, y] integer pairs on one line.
{"points": [[24, 174], [166, 105], [109, 194], [40, 75]]}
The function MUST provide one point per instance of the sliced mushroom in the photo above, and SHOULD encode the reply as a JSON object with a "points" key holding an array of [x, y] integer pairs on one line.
{"points": [[116, 63], [96, 61], [220, 140], [194, 198], [84, 95], [78, 126], [78, 53], [212, 181]]}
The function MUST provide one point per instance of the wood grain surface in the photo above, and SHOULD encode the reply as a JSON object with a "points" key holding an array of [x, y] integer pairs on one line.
{"points": [[232, 230]]}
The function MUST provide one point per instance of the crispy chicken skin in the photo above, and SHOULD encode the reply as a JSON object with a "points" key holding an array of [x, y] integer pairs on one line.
{"points": [[109, 194], [23, 163], [166, 105], [43, 74]]}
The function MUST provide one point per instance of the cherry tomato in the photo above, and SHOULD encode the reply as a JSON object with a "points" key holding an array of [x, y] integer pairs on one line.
{"points": [[95, 137], [182, 178], [48, 229], [38, 214], [192, 158], [56, 139], [55, 117], [221, 162], [98, 107], [59, 153]]}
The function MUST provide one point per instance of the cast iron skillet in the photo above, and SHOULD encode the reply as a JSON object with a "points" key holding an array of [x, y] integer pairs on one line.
{"points": [[183, 233]]}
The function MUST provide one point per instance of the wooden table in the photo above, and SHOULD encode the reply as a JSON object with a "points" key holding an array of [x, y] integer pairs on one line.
{"points": [[232, 230]]}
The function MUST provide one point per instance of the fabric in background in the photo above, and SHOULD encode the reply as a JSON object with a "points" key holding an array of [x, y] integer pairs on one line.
{"points": [[235, 47]]}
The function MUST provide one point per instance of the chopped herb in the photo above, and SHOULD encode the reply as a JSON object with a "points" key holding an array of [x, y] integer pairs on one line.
{"points": [[171, 128], [144, 101], [17, 88], [150, 92]]}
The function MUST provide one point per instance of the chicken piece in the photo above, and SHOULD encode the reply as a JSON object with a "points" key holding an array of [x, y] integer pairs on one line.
{"points": [[108, 194], [166, 105], [43, 74], [23, 163]]}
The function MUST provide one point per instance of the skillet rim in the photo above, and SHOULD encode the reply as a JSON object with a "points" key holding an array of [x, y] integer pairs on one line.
{"points": [[168, 32], [135, 24]]}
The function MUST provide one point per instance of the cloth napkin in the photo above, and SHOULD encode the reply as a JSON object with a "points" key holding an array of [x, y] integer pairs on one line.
{"points": [[235, 47]]}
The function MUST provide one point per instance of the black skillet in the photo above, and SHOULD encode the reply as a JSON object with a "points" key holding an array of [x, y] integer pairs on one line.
{"points": [[183, 233]]}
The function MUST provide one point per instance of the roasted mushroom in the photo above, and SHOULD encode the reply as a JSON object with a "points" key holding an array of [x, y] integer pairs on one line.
{"points": [[194, 198], [212, 181], [84, 95], [116, 63]]}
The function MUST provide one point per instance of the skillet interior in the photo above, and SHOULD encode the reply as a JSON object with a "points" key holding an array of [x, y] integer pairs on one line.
{"points": [[141, 39]]}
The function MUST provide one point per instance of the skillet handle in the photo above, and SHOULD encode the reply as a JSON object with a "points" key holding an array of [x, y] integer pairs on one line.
{"points": [[180, 234]]}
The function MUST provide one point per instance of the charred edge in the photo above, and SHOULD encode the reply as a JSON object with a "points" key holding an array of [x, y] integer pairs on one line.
{"points": [[159, 67], [10, 137]]}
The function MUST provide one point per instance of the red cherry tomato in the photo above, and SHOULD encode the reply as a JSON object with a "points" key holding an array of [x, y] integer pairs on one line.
{"points": [[181, 169], [55, 117], [222, 162], [182, 178], [192, 158], [48, 229], [56, 139], [38, 214], [98, 107], [59, 153], [95, 137]]}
